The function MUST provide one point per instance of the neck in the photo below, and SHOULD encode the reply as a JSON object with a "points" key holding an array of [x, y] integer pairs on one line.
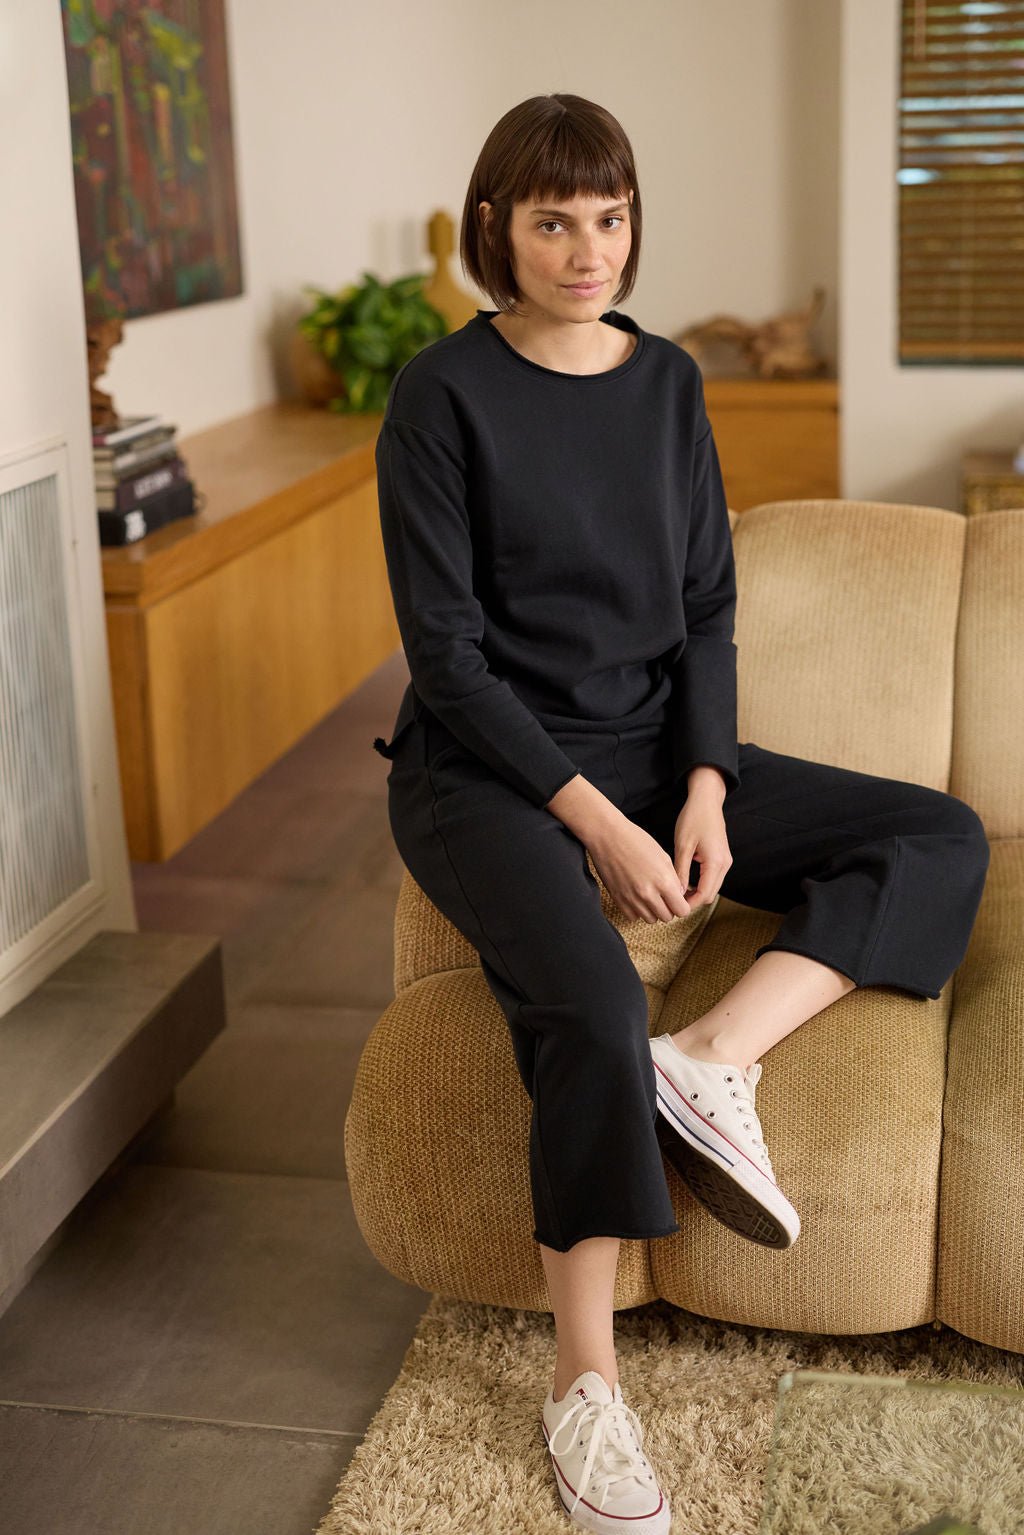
{"points": [[568, 346]]}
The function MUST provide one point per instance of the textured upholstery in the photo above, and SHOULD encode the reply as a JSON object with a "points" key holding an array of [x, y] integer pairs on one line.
{"points": [[885, 638]]}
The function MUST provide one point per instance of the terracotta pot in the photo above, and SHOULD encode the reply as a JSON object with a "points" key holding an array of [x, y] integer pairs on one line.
{"points": [[314, 378]]}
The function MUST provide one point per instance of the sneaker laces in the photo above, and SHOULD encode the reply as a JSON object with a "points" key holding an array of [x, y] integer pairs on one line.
{"points": [[613, 1453], [745, 1105]]}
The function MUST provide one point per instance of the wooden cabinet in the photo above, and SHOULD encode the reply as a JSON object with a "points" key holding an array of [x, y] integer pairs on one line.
{"points": [[777, 440], [233, 632]]}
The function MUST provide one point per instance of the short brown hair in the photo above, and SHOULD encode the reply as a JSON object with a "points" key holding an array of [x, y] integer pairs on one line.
{"points": [[557, 146]]}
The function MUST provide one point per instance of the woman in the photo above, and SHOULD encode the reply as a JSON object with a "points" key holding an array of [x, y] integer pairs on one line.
{"points": [[559, 554]]}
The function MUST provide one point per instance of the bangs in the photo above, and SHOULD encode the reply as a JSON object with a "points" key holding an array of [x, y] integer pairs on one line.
{"points": [[568, 163]]}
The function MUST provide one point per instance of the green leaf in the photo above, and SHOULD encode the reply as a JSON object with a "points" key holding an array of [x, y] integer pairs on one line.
{"points": [[370, 345], [366, 331]]}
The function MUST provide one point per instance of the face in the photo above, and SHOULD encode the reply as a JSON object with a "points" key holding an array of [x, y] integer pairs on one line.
{"points": [[558, 245]]}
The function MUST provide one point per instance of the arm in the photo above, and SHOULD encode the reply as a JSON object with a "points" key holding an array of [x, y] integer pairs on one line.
{"points": [[704, 677], [428, 548]]}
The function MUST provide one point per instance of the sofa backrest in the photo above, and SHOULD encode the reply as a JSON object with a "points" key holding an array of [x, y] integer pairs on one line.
{"points": [[988, 725], [846, 633]]}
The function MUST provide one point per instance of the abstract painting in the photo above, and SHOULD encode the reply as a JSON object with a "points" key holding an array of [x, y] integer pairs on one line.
{"points": [[153, 154]]}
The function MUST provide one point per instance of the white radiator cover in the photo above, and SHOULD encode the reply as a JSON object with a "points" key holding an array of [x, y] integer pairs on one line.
{"points": [[49, 846], [65, 873]]}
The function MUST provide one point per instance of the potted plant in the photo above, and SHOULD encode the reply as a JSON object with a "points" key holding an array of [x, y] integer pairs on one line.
{"points": [[359, 337]]}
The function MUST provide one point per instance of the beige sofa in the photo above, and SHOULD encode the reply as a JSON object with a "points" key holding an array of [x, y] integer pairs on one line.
{"points": [[885, 638]]}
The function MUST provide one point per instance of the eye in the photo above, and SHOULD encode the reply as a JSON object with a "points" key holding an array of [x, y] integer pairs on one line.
{"points": [[613, 218]]}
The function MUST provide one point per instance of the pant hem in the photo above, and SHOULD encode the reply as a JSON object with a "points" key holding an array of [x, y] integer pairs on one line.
{"points": [[917, 991], [629, 1236], [901, 985], [823, 959]]}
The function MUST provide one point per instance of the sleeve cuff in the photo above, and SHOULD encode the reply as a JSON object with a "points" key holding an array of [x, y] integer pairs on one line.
{"points": [[704, 709]]}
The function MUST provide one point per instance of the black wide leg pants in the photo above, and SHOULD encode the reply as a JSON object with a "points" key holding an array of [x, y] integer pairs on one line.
{"points": [[879, 878]]}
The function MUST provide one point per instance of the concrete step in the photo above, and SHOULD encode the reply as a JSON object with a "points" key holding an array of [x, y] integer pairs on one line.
{"points": [[86, 1061]]}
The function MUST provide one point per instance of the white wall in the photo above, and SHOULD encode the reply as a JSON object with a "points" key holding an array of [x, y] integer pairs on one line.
{"points": [[352, 125], [904, 429], [44, 391], [765, 135]]}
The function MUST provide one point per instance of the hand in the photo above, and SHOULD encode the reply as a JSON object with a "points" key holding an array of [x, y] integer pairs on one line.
{"points": [[700, 836], [637, 872]]}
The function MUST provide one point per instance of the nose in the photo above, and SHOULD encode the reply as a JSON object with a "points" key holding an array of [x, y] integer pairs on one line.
{"points": [[586, 257]]}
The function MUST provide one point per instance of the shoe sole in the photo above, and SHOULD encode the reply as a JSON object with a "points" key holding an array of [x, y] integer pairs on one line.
{"points": [[659, 1522], [719, 1176]]}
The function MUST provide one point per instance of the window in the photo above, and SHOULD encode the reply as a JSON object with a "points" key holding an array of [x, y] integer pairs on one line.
{"points": [[961, 182]]}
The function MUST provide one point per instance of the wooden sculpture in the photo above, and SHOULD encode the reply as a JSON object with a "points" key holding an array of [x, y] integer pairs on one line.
{"points": [[102, 336], [776, 348]]}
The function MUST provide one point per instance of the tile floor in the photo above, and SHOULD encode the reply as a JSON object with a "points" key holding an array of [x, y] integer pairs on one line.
{"points": [[205, 1347]]}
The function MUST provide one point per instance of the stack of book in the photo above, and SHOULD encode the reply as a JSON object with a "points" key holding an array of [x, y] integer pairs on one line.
{"points": [[141, 479]]}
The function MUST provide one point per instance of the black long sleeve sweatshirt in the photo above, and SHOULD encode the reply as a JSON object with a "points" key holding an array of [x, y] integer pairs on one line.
{"points": [[559, 552]]}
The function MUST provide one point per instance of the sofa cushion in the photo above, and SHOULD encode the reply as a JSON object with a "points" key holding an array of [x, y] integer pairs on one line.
{"points": [[845, 633], [981, 1216]]}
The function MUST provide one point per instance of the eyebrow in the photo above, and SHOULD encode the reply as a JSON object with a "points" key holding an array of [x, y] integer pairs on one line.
{"points": [[562, 212]]}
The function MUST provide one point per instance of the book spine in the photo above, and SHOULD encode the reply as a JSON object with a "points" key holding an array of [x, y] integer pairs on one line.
{"points": [[118, 528], [139, 489], [133, 458], [129, 427]]}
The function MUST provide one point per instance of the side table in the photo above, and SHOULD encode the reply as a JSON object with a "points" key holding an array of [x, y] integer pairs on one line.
{"points": [[989, 483]]}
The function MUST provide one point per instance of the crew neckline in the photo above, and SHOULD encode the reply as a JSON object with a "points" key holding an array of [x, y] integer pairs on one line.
{"points": [[613, 317]]}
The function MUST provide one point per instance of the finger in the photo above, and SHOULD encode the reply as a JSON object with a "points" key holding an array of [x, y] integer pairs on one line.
{"points": [[677, 904], [710, 883], [672, 896], [684, 862]]}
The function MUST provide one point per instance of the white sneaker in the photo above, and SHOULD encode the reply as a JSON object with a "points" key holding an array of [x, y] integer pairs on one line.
{"points": [[709, 1130], [604, 1479]]}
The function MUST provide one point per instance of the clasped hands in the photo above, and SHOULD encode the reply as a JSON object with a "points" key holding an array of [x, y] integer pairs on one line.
{"points": [[645, 883]]}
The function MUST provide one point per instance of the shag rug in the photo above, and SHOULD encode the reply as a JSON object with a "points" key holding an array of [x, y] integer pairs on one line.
{"points": [[457, 1446]]}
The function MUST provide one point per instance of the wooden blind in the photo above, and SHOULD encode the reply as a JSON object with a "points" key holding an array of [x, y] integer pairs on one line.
{"points": [[961, 181]]}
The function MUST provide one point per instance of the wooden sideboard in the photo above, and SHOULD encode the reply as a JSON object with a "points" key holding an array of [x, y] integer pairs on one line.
{"points": [[777, 439], [233, 632]]}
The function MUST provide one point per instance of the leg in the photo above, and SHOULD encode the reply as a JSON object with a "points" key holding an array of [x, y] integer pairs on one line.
{"points": [[581, 1283], [880, 882], [516, 883], [879, 879], [780, 991]]}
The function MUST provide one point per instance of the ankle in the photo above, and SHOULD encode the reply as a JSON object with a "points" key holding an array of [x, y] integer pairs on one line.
{"points": [[721, 1051], [565, 1375]]}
